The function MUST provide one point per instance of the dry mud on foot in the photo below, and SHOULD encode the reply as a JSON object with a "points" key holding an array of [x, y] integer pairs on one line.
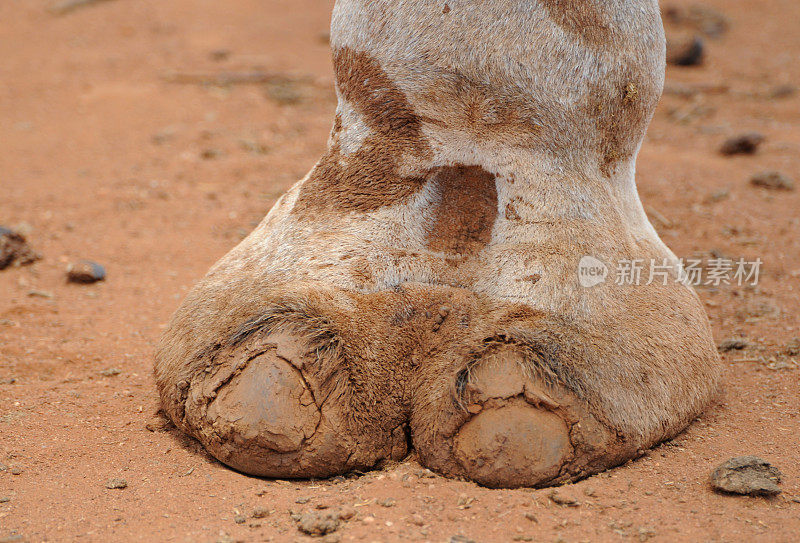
{"points": [[106, 157]]}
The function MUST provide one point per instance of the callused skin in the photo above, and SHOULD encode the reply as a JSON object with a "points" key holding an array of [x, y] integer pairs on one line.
{"points": [[418, 288]]}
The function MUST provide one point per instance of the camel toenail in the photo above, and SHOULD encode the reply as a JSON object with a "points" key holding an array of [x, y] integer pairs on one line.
{"points": [[514, 445]]}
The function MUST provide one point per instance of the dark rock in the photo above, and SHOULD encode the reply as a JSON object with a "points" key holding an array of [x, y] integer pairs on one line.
{"points": [[772, 180], [748, 475], [14, 249], [85, 272], [687, 51], [744, 144]]}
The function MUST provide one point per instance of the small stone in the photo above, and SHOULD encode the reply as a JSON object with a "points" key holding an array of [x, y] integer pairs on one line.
{"points": [[388, 502], [743, 144], [4, 499], [110, 372], [563, 499], [686, 51], [318, 523], [301, 500], [117, 483], [747, 475], [444, 311], [732, 344], [416, 519], [85, 272], [239, 519], [461, 539], [522, 537], [14, 249], [531, 517], [331, 538], [260, 512], [772, 180], [15, 471]]}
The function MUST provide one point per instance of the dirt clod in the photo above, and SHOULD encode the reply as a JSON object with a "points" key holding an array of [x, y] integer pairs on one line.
{"points": [[85, 272], [260, 512], [116, 483], [772, 180], [14, 249], [743, 144], [318, 523], [748, 475], [563, 498]]}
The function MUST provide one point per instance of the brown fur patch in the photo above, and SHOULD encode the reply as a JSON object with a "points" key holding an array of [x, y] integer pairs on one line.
{"points": [[368, 178], [466, 211], [581, 18]]}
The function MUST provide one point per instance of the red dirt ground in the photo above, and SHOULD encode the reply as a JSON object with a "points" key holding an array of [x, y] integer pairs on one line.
{"points": [[103, 158]]}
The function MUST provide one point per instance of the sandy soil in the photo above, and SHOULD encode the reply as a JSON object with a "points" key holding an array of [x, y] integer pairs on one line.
{"points": [[103, 157]]}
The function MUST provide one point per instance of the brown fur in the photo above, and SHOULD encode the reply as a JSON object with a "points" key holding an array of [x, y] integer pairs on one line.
{"points": [[369, 178], [581, 18], [466, 210]]}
